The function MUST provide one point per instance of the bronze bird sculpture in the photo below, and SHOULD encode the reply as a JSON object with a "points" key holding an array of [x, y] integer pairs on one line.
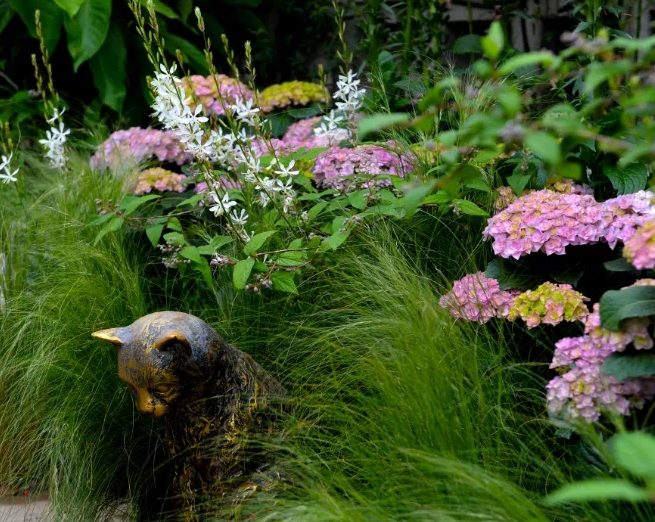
{"points": [[211, 397]]}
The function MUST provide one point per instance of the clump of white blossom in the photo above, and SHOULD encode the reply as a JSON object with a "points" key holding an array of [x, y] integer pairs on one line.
{"points": [[55, 140], [349, 99], [6, 174]]}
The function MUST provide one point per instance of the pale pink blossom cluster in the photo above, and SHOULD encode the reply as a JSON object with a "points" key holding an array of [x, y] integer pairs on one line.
{"points": [[549, 303], [477, 297], [549, 221], [507, 196], [583, 391], [640, 248], [135, 145], [161, 180], [350, 169], [215, 94], [301, 134]]}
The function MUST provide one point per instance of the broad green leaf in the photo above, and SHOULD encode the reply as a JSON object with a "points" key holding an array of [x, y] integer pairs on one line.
{"points": [[628, 366], [598, 491], [70, 6], [469, 43], [191, 202], [194, 55], [438, 198], [161, 8], [617, 305], [87, 30], [358, 199], [175, 238], [635, 452], [545, 58], [628, 180], [510, 100], [302, 113], [619, 265], [109, 68], [215, 244], [494, 42], [571, 170], [51, 19], [636, 153], [131, 203], [316, 210], [112, 226], [6, 14], [415, 197], [257, 241], [518, 182], [174, 224], [378, 122], [337, 239], [242, 272], [283, 282], [544, 145], [191, 253], [470, 208], [154, 233]]}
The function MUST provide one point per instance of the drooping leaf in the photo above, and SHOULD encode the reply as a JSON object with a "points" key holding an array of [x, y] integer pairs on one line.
{"points": [[174, 238], [87, 30], [131, 203], [337, 239], [242, 272], [109, 68], [635, 452], [283, 282], [378, 122], [628, 180], [154, 233], [51, 19], [257, 241], [70, 6], [627, 366], [617, 305], [598, 491], [544, 145]]}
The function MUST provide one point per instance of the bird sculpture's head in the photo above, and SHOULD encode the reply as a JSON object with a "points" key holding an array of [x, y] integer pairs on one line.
{"points": [[162, 357]]}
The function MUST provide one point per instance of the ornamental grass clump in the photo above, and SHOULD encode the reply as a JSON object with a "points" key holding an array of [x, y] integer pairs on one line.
{"points": [[548, 304], [294, 93], [136, 145], [477, 297]]}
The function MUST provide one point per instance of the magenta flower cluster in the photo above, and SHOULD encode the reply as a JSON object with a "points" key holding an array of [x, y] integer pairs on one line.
{"points": [[161, 180], [549, 221], [215, 93], [477, 297], [351, 169], [583, 391], [135, 145], [549, 303], [640, 248]]}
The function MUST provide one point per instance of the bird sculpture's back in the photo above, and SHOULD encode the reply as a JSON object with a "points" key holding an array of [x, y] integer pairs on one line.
{"points": [[211, 396]]}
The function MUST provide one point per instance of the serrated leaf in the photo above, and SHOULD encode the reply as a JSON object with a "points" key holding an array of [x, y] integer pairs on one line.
{"points": [[470, 208], [109, 68], [617, 305], [469, 43], [87, 30], [257, 241], [241, 272], [283, 282], [154, 233], [112, 226], [635, 452], [191, 253], [628, 180], [131, 203], [628, 366], [545, 146], [358, 199], [597, 491], [377, 122]]}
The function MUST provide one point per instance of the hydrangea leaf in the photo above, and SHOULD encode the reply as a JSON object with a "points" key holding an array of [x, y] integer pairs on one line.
{"points": [[628, 180], [629, 366], [597, 491], [617, 305], [635, 451], [109, 68], [87, 30], [242, 272]]}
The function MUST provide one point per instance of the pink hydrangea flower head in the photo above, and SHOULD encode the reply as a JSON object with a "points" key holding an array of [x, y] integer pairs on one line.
{"points": [[161, 180], [549, 304], [640, 248], [478, 298], [628, 213], [351, 169], [215, 93], [135, 145], [301, 134], [294, 93]]}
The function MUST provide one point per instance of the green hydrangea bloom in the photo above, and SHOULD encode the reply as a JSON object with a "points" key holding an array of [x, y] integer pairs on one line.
{"points": [[550, 303], [282, 95]]}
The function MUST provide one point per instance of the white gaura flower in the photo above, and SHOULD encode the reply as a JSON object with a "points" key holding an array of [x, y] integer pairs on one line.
{"points": [[239, 219], [283, 171], [263, 199], [222, 205], [6, 175], [245, 112]]}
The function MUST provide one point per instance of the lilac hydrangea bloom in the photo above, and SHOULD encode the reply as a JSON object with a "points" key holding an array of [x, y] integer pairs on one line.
{"points": [[640, 248], [350, 169], [549, 304], [136, 145], [477, 297]]}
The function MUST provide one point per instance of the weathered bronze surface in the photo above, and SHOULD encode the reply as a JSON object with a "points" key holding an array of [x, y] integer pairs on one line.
{"points": [[211, 396]]}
